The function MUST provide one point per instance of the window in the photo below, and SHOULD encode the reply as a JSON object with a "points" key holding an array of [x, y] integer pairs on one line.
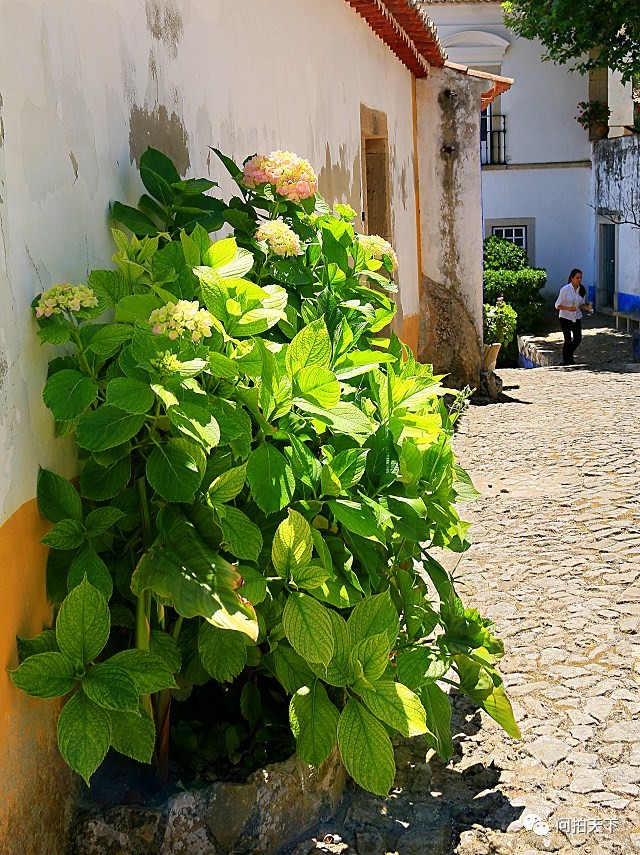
{"points": [[516, 234]]}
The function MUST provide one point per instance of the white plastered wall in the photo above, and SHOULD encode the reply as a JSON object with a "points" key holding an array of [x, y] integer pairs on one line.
{"points": [[85, 86]]}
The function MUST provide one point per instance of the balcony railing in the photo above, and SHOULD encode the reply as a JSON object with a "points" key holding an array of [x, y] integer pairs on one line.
{"points": [[492, 138]]}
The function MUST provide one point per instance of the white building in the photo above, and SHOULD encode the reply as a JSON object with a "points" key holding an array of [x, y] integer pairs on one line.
{"points": [[536, 174]]}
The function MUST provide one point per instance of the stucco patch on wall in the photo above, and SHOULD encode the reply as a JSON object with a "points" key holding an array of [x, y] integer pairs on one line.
{"points": [[164, 23], [337, 180], [161, 130]]}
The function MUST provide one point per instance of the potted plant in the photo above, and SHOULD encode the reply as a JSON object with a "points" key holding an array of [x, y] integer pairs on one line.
{"points": [[499, 326], [594, 116]]}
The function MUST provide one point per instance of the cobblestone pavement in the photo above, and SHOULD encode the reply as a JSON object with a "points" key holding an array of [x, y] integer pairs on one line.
{"points": [[556, 563]]}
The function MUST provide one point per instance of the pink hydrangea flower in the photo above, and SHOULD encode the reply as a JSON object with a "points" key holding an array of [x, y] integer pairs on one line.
{"points": [[65, 298], [292, 176], [281, 239]]}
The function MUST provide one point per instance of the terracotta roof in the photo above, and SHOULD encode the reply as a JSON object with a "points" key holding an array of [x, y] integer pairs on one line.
{"points": [[496, 84], [405, 28]]}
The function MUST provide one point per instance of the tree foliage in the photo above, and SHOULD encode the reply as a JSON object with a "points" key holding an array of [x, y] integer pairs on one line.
{"points": [[570, 29]]}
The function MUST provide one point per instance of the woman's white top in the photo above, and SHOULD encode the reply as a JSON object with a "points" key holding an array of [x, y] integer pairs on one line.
{"points": [[568, 296]]}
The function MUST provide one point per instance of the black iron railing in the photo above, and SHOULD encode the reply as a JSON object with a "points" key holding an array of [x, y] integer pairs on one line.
{"points": [[492, 137]]}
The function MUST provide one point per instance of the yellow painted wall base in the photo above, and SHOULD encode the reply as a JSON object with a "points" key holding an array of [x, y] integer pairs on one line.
{"points": [[409, 334], [36, 786]]}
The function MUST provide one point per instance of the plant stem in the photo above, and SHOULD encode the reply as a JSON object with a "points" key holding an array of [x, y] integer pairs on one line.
{"points": [[143, 605]]}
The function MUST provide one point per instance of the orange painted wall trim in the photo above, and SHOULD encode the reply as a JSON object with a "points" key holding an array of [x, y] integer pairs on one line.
{"points": [[409, 334], [36, 786]]}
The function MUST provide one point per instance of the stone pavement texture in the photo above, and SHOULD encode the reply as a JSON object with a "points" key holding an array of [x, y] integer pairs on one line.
{"points": [[556, 564]]}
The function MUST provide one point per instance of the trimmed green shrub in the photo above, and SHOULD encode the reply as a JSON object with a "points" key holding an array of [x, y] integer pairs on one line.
{"points": [[501, 254]]}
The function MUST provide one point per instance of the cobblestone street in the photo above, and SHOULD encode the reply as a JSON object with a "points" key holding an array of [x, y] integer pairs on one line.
{"points": [[556, 563]]}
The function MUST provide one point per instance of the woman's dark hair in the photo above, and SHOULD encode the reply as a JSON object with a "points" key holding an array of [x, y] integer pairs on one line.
{"points": [[582, 290], [573, 273]]}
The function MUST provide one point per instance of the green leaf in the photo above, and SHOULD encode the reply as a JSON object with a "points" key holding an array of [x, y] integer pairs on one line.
{"points": [[68, 393], [291, 669], [173, 473], [343, 418], [84, 734], [222, 651], [165, 646], [196, 423], [308, 627], [222, 366], [357, 518], [366, 749], [484, 686], [88, 563], [373, 615], [110, 285], [397, 706], [132, 396], [310, 576], [45, 675], [147, 671], [349, 466], [373, 655], [101, 519], [254, 585], [195, 578], [314, 723], [228, 485], [305, 465], [318, 385], [54, 334], [438, 711], [110, 687], [292, 545], [104, 482], [311, 346], [463, 486], [106, 427], [133, 734], [45, 642], [137, 307], [57, 498], [83, 623], [340, 671], [419, 665], [250, 703], [270, 478], [243, 537], [110, 339], [133, 219], [66, 534]]}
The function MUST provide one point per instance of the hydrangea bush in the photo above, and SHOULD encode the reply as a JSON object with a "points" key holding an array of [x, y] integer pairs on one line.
{"points": [[263, 477]]}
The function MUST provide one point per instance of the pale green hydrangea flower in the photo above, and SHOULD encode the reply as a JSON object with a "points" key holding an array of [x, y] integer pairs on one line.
{"points": [[182, 318], [65, 298], [378, 247]]}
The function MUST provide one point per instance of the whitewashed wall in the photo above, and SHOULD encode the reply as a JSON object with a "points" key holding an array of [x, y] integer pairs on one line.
{"points": [[85, 86]]}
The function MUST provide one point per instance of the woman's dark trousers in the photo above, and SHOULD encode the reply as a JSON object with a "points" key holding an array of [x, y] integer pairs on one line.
{"points": [[572, 332]]}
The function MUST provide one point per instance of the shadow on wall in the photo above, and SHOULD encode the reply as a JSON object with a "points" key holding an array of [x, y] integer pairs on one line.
{"points": [[161, 130]]}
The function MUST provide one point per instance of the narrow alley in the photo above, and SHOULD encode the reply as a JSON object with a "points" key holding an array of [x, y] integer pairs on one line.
{"points": [[556, 564]]}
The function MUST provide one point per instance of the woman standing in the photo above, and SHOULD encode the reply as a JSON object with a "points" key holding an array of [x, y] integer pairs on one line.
{"points": [[569, 303]]}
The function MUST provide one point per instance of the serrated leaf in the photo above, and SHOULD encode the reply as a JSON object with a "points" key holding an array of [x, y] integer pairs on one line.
{"points": [[373, 615], [250, 703], [292, 544], [339, 672], [132, 396], [106, 427], [308, 627], [101, 519], [222, 366], [318, 385], [88, 563], [173, 473], [104, 482], [133, 219], [306, 467], [310, 576], [45, 675], [83, 623], [366, 749], [66, 534], [148, 671], [356, 517], [419, 665], [222, 651], [373, 655], [68, 393], [438, 712], [291, 669], [110, 339], [45, 642], [57, 498], [311, 346], [165, 646], [84, 734], [343, 418], [349, 466], [243, 538], [397, 706], [110, 687], [314, 723], [484, 686], [196, 423], [270, 478], [228, 485], [133, 734]]}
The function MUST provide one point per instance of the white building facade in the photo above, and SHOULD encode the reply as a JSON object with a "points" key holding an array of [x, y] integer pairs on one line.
{"points": [[537, 160]]}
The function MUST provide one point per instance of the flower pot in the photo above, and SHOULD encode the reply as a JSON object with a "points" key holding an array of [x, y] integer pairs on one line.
{"points": [[598, 132], [490, 356]]}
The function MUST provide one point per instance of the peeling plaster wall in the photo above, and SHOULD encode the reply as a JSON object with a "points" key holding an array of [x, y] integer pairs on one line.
{"points": [[451, 224], [85, 87], [616, 192]]}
